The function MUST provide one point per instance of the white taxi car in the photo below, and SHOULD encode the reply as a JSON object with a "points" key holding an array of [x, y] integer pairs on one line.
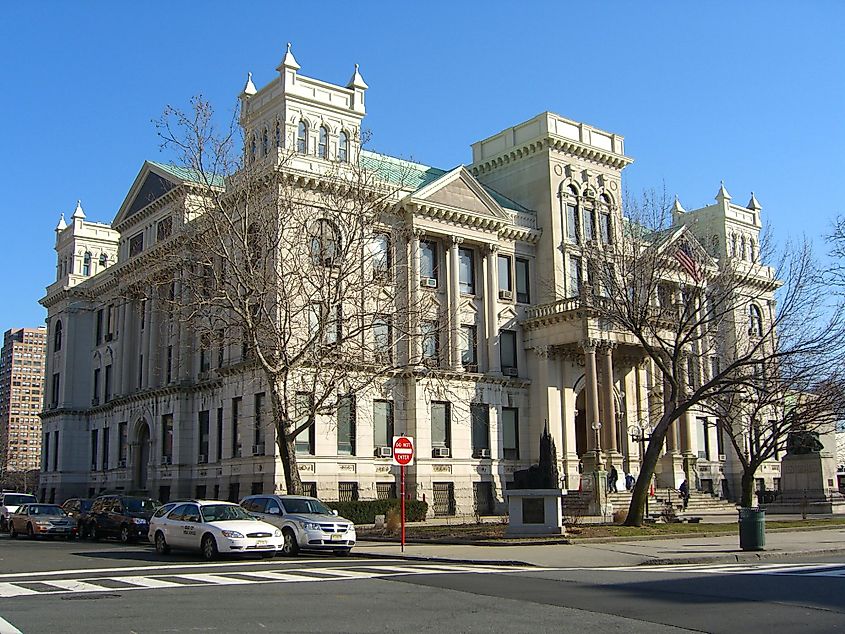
{"points": [[213, 528]]}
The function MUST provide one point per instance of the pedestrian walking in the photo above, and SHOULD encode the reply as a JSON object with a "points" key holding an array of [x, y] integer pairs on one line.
{"points": [[684, 490], [612, 478], [629, 481]]}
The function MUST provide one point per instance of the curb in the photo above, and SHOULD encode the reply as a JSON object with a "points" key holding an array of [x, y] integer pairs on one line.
{"points": [[445, 560], [740, 557], [552, 541]]}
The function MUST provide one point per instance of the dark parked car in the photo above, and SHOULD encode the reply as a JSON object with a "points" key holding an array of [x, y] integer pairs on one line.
{"points": [[78, 509], [124, 516]]}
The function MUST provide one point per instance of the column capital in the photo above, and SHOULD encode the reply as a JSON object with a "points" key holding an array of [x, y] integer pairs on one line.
{"points": [[589, 345], [607, 347], [456, 240], [492, 247], [418, 233]]}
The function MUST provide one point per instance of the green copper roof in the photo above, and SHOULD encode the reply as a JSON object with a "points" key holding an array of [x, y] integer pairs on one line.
{"points": [[187, 174], [415, 176]]}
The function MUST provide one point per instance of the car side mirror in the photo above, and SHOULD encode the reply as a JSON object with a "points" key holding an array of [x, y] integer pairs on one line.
{"points": [[274, 511], [334, 512]]}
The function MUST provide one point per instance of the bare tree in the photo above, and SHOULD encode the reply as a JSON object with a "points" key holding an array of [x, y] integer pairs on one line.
{"points": [[704, 322], [304, 272]]}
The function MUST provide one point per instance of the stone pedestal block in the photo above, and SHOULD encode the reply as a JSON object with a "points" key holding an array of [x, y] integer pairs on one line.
{"points": [[535, 512]]}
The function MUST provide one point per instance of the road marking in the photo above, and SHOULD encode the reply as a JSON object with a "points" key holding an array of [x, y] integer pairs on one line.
{"points": [[269, 575], [73, 585], [777, 569], [216, 579], [11, 590], [146, 582], [8, 628]]}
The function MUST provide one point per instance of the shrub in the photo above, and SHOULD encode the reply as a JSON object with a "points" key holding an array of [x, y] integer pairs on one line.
{"points": [[394, 521], [365, 511]]}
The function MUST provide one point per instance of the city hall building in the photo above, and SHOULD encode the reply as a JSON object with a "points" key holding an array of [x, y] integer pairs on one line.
{"points": [[134, 402]]}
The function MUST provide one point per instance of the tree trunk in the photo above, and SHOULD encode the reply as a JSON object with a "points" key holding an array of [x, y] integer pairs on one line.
{"points": [[747, 497], [641, 488], [287, 450]]}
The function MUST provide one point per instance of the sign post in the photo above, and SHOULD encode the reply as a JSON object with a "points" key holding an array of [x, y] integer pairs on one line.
{"points": [[403, 455]]}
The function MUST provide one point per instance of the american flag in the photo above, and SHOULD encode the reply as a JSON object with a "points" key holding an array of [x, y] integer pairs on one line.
{"points": [[683, 254]]}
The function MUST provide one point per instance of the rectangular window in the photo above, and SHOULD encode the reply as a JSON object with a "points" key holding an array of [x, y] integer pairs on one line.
{"points": [[221, 346], [574, 278], [333, 328], [96, 396], [94, 449], [441, 425], [715, 367], [430, 342], [164, 228], [480, 419], [604, 227], [237, 444], [383, 339], [589, 225], [219, 453], [203, 437], [346, 426], [111, 323], [258, 420], [469, 347], [466, 271], [107, 385], [720, 439], [505, 280], [55, 450], [136, 244], [510, 433], [507, 346], [382, 424], [304, 413], [106, 439], [428, 263], [122, 443], [573, 231], [523, 295], [702, 429], [167, 437], [98, 333], [380, 251], [140, 371], [347, 491], [169, 369], [55, 390]]}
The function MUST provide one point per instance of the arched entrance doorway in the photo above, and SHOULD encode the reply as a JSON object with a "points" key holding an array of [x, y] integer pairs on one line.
{"points": [[142, 456], [581, 424]]}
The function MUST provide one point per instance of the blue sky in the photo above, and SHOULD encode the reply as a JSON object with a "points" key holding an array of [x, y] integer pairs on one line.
{"points": [[753, 94]]}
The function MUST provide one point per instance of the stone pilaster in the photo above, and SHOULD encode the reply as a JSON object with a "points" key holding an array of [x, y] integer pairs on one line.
{"points": [[491, 309]]}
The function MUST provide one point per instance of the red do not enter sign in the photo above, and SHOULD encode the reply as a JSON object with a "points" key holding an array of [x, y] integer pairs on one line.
{"points": [[403, 450]]}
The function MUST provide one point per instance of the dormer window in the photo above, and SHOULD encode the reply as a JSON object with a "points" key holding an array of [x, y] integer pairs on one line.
{"points": [[301, 138], [86, 264], [265, 143], [323, 146], [343, 147]]}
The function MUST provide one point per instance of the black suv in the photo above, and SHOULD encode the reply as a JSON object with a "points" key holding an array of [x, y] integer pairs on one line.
{"points": [[123, 516]]}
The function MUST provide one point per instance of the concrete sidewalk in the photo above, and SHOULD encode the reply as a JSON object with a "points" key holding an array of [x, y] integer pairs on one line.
{"points": [[689, 549]]}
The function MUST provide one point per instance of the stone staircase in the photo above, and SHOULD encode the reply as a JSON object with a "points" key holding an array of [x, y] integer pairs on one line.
{"points": [[575, 503]]}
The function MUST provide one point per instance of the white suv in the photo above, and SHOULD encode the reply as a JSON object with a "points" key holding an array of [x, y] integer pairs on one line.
{"points": [[9, 503], [213, 528], [305, 522]]}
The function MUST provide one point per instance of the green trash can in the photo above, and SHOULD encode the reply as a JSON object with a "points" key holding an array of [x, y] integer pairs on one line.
{"points": [[752, 529]]}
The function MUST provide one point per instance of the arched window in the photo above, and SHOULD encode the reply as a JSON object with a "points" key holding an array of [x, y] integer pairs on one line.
{"points": [[733, 245], [301, 138], [742, 247], [714, 241], [324, 243], [755, 321], [265, 143], [86, 263], [252, 149], [104, 260], [343, 147], [752, 250], [323, 147], [57, 337], [278, 135]]}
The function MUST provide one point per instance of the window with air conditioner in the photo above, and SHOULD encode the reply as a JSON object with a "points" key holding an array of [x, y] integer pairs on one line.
{"points": [[480, 423], [505, 277], [507, 348], [469, 347], [466, 271], [523, 295], [441, 429], [382, 426], [203, 436], [428, 264], [510, 433], [304, 414], [346, 425], [167, 438]]}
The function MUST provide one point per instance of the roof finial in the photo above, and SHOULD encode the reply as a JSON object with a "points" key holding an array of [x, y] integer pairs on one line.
{"points": [[249, 88], [677, 207], [723, 193], [78, 213], [753, 205], [357, 81], [62, 224], [289, 61]]}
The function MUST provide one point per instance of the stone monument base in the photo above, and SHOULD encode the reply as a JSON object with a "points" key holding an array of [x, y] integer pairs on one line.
{"points": [[808, 485], [535, 512]]}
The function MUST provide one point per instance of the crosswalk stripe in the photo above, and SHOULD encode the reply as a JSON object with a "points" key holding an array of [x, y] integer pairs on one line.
{"points": [[217, 579], [275, 576], [146, 582], [75, 586], [11, 590]]}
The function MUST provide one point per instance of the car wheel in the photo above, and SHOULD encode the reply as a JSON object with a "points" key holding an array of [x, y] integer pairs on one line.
{"points": [[125, 535], [342, 552], [290, 548], [209, 548], [29, 532], [161, 544], [12, 532]]}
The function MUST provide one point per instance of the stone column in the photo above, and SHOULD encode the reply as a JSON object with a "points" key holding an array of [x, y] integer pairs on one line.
{"points": [[143, 349], [454, 304], [414, 342], [120, 384], [609, 435], [152, 326], [671, 437], [591, 400], [491, 310]]}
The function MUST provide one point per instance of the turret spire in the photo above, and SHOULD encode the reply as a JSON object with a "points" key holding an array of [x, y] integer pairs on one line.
{"points": [[357, 81], [62, 224], [78, 213], [249, 89], [753, 205], [723, 193], [289, 61]]}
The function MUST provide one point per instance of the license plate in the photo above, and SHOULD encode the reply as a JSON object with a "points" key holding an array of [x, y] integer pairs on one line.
{"points": [[261, 542], [337, 537]]}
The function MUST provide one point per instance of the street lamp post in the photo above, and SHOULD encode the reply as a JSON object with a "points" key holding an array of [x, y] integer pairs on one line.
{"points": [[597, 428], [638, 434]]}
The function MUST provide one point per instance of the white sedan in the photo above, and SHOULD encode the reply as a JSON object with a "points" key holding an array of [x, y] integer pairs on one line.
{"points": [[213, 528]]}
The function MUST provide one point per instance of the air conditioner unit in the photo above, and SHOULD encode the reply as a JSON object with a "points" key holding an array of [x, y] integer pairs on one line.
{"points": [[258, 450], [428, 282], [202, 459], [385, 452], [482, 453], [121, 464], [722, 457], [505, 294], [510, 371], [166, 460], [440, 452]]}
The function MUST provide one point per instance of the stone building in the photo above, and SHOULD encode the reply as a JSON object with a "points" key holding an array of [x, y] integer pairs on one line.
{"points": [[21, 401], [136, 403]]}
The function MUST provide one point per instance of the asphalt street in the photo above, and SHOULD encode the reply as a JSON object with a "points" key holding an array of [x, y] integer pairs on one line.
{"points": [[108, 587]]}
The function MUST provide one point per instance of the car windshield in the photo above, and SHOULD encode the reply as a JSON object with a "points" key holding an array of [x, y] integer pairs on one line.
{"points": [[224, 512], [140, 505], [305, 505], [16, 499], [45, 509]]}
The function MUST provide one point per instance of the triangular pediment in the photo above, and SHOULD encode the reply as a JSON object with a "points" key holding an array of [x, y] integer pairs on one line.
{"points": [[458, 189], [153, 181], [684, 235]]}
